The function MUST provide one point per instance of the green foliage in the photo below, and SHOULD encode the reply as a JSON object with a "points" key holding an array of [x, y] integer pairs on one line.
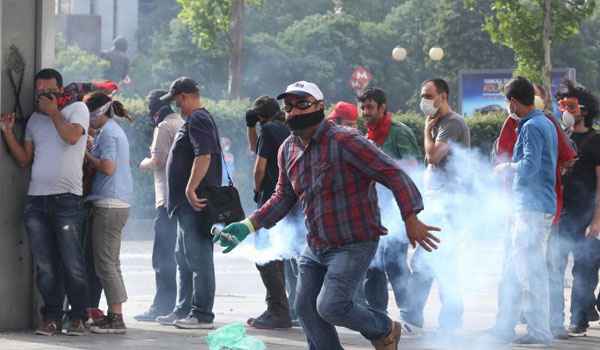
{"points": [[208, 19], [581, 52], [518, 24], [368, 10], [474, 50], [484, 128], [229, 116], [174, 54], [275, 16], [153, 16], [76, 64]]}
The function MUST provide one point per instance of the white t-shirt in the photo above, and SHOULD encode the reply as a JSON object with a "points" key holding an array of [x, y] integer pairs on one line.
{"points": [[57, 166]]}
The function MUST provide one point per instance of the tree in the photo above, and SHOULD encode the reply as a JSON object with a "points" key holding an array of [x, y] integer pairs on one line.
{"points": [[76, 64], [367, 10], [581, 52], [519, 25], [457, 30], [172, 53], [214, 20], [153, 16], [274, 16]]}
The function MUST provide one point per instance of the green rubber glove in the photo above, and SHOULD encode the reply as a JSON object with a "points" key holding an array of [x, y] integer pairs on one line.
{"points": [[233, 234]]}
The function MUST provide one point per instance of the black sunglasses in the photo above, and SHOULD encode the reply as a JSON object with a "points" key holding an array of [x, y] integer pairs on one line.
{"points": [[301, 105]]}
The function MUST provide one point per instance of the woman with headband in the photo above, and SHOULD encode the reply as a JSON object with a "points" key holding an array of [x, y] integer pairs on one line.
{"points": [[110, 196]]}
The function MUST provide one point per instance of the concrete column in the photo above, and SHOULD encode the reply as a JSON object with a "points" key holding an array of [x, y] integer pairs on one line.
{"points": [[17, 27], [46, 33]]}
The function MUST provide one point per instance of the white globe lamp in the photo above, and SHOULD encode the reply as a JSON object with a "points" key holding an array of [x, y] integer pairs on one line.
{"points": [[399, 54], [436, 53]]}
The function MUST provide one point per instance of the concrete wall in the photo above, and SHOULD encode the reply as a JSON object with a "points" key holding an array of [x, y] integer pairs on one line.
{"points": [[126, 20], [21, 23]]}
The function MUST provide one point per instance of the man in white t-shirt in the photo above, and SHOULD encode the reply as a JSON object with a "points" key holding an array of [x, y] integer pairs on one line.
{"points": [[54, 146]]}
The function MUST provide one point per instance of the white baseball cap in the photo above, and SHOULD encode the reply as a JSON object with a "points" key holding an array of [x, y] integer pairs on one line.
{"points": [[303, 88]]}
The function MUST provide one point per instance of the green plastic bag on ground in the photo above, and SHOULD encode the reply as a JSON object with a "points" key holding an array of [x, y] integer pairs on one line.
{"points": [[233, 337]]}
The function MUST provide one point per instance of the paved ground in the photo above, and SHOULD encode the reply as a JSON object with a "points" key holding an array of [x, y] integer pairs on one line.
{"points": [[240, 295]]}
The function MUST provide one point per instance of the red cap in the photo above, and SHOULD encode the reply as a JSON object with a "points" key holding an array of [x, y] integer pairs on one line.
{"points": [[344, 110]]}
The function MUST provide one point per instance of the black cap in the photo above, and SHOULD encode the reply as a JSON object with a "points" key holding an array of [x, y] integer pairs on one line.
{"points": [[266, 106], [179, 86], [154, 102]]}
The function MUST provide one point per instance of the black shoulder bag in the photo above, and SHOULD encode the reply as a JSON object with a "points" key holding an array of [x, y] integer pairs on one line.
{"points": [[224, 204]]}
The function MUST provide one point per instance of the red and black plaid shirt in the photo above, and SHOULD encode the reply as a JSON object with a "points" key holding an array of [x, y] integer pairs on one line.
{"points": [[334, 179]]}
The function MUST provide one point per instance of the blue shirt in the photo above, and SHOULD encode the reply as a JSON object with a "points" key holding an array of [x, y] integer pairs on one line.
{"points": [[535, 155], [111, 144]]}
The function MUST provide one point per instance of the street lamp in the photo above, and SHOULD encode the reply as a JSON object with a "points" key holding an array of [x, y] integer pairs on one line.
{"points": [[436, 53], [399, 53]]}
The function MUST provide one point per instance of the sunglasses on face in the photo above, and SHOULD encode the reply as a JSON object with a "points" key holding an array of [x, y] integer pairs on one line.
{"points": [[301, 105], [569, 104]]}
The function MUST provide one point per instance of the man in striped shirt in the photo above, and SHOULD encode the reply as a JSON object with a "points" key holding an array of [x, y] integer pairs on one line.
{"points": [[332, 171]]}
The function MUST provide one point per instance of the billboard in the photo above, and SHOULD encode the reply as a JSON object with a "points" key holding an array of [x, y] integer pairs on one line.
{"points": [[482, 90]]}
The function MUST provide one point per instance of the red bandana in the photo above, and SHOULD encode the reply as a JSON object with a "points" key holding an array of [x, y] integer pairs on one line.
{"points": [[379, 132]]}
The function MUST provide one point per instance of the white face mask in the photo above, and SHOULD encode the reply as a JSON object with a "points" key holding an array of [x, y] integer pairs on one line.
{"points": [[511, 114], [567, 120], [428, 107]]}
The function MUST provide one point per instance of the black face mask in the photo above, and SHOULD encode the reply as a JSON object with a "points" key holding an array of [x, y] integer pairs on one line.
{"points": [[303, 121]]}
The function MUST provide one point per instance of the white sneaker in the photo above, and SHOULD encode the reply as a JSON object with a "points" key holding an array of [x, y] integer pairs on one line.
{"points": [[192, 322], [410, 330]]}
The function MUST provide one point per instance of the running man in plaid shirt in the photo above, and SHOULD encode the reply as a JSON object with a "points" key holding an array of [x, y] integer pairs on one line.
{"points": [[332, 171]]}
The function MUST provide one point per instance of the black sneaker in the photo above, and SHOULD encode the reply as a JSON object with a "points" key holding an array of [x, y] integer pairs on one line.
{"points": [[577, 331], [111, 324], [531, 341], [593, 315], [268, 320]]}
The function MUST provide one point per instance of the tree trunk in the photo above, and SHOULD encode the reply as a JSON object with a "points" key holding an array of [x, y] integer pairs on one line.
{"points": [[547, 73], [236, 36]]}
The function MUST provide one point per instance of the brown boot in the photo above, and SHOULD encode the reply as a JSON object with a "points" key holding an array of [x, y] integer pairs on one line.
{"points": [[390, 341]]}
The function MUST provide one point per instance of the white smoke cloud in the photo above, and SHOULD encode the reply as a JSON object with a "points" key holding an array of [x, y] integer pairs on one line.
{"points": [[474, 222]]}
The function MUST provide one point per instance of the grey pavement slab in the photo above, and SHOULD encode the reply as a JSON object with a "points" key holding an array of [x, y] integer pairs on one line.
{"points": [[240, 295]]}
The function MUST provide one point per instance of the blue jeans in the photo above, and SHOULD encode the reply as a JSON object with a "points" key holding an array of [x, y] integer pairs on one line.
{"points": [[585, 280], [389, 263], [525, 277], [420, 282], [163, 262], [290, 267], [586, 262], [195, 262], [327, 281], [53, 226], [562, 242]]}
